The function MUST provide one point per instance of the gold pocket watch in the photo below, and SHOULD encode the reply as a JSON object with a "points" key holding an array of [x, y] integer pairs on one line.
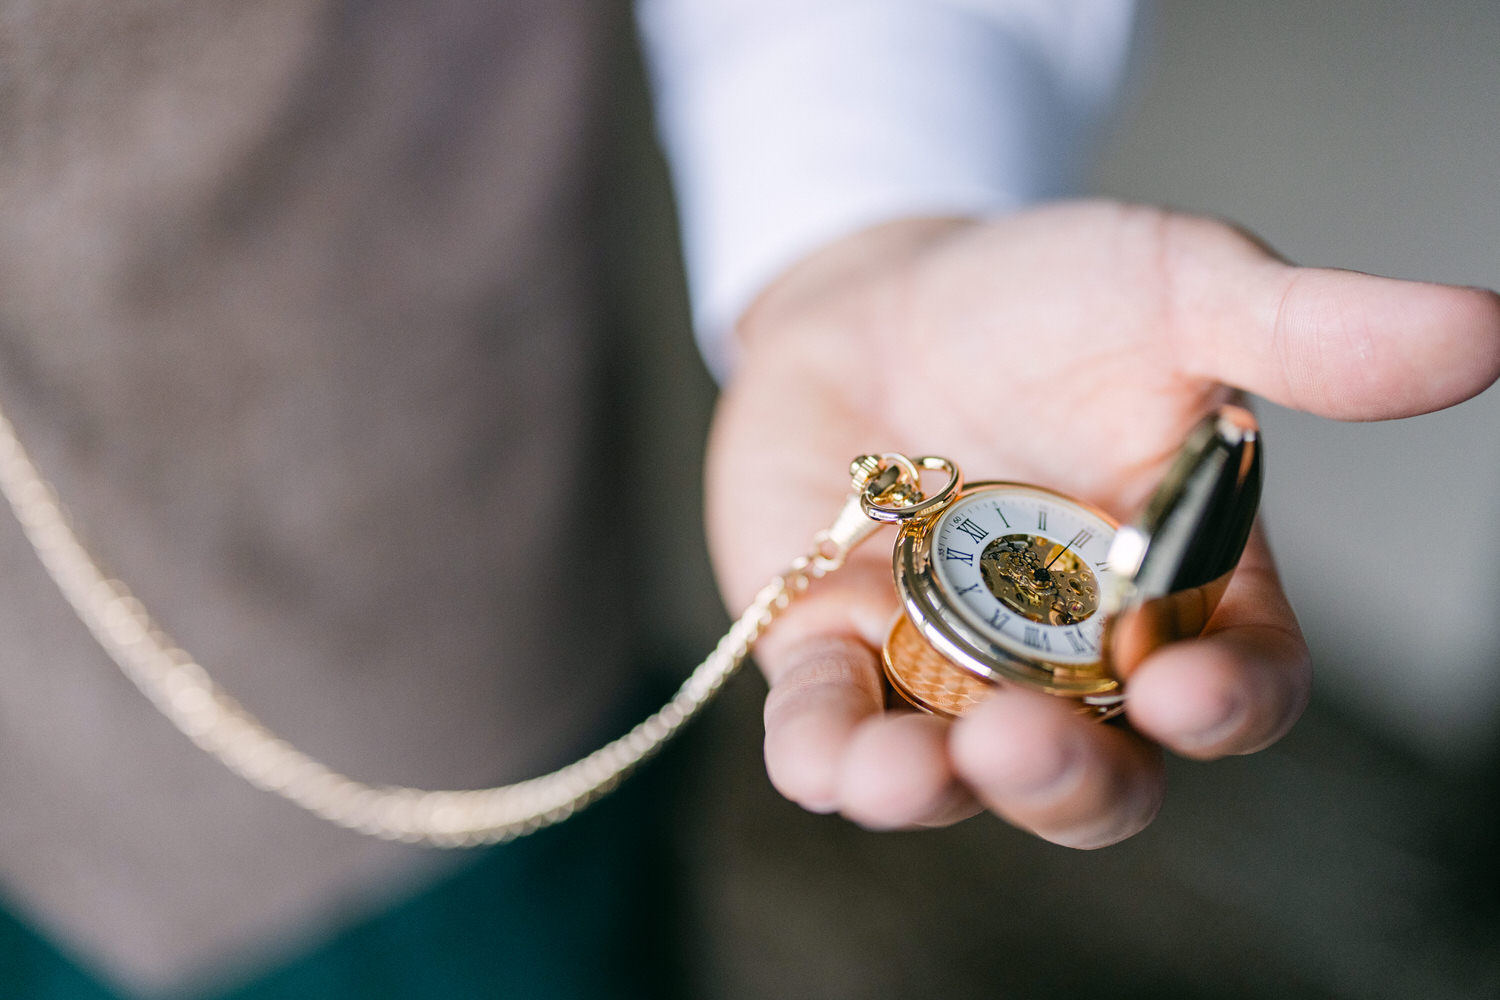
{"points": [[1009, 583]]}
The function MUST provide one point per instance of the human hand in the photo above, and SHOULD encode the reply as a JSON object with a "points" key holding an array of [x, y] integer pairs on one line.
{"points": [[1072, 346]]}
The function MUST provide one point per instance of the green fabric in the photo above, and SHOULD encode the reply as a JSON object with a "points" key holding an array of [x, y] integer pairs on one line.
{"points": [[577, 911], [31, 969]]}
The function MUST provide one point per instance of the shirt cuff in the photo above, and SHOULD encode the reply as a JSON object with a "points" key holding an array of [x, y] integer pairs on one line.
{"points": [[788, 125]]}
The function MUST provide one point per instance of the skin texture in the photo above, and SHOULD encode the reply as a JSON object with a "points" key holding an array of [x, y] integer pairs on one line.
{"points": [[1071, 346]]}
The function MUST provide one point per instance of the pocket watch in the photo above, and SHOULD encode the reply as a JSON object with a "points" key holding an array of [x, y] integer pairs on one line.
{"points": [[1010, 583]]}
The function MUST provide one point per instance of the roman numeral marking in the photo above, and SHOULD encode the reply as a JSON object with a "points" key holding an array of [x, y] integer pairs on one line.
{"points": [[967, 558], [1041, 520], [1036, 639], [972, 586], [998, 620], [971, 529], [1079, 643]]}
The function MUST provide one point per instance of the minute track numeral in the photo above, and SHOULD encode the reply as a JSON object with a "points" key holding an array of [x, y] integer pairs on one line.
{"points": [[973, 530], [967, 558]]}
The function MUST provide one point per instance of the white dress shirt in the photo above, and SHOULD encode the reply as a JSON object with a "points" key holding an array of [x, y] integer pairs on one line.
{"points": [[790, 123]]}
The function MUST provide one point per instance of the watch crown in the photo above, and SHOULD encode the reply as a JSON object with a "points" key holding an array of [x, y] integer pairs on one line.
{"points": [[880, 479], [862, 468], [889, 487]]}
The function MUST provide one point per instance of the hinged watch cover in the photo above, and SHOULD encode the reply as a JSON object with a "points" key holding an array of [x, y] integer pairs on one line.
{"points": [[1169, 568]]}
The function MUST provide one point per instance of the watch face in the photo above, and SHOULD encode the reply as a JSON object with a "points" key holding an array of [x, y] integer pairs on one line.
{"points": [[1021, 566]]}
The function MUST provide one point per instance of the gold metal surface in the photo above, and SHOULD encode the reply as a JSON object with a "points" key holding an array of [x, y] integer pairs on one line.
{"points": [[890, 486], [924, 677], [946, 627], [930, 682], [1039, 579]]}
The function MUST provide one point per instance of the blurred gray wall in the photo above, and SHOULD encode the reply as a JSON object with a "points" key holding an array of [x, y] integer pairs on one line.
{"points": [[1363, 135]]}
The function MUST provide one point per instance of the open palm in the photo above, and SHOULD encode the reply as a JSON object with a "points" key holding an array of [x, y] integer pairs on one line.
{"points": [[1072, 347]]}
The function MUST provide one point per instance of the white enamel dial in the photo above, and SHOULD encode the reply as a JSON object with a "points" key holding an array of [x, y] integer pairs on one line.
{"points": [[1022, 566]]}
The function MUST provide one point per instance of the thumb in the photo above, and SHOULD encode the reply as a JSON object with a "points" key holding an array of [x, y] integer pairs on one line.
{"points": [[1336, 343]]}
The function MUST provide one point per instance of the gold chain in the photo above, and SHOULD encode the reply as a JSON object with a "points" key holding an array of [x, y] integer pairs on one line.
{"points": [[178, 686]]}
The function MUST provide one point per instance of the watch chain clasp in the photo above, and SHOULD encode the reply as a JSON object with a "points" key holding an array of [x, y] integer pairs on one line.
{"points": [[890, 486], [887, 489]]}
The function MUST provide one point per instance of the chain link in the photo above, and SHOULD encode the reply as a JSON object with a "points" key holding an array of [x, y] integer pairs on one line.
{"points": [[213, 720]]}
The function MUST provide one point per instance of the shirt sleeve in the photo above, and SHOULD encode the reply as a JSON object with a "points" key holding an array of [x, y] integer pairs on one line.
{"points": [[790, 123]]}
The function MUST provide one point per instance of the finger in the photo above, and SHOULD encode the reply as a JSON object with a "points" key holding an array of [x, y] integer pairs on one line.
{"points": [[1242, 685], [823, 688], [1336, 343], [897, 774], [830, 747], [1033, 760]]}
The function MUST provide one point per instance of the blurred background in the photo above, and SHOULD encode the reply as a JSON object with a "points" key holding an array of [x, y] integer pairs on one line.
{"points": [[1366, 136], [1358, 857]]}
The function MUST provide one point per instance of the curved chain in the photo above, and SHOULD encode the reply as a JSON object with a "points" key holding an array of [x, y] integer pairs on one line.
{"points": [[212, 719]]}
